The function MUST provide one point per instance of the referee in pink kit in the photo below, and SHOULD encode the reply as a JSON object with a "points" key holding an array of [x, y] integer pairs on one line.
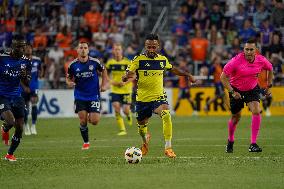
{"points": [[239, 77]]}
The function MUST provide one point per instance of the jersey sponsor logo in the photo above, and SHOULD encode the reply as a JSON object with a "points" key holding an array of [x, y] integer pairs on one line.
{"points": [[149, 73], [50, 106]]}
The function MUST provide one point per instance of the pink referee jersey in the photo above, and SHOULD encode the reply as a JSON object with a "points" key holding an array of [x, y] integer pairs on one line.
{"points": [[244, 75]]}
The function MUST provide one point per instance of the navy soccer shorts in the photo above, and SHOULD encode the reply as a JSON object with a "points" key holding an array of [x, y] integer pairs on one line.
{"points": [[121, 98], [89, 106], [15, 105], [146, 109], [27, 96]]}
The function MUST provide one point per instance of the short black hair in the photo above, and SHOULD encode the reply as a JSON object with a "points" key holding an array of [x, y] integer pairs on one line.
{"points": [[18, 37], [251, 40], [152, 36]]}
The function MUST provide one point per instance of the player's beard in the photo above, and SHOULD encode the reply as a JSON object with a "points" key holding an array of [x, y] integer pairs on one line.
{"points": [[151, 54]]}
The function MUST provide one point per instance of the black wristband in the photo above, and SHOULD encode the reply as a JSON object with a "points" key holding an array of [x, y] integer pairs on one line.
{"points": [[231, 92]]}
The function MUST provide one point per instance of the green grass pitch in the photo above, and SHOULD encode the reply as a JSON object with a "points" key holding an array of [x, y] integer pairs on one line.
{"points": [[54, 159]]}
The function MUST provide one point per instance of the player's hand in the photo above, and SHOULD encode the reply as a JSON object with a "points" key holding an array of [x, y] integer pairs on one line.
{"points": [[267, 92], [120, 84], [70, 84], [196, 82], [124, 78], [236, 95], [27, 89], [103, 88]]}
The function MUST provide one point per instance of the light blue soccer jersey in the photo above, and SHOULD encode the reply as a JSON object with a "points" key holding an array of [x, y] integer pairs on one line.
{"points": [[10, 74], [85, 76]]}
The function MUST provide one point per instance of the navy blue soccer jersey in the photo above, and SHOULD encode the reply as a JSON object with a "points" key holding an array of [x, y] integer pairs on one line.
{"points": [[10, 74], [36, 68], [85, 76]]}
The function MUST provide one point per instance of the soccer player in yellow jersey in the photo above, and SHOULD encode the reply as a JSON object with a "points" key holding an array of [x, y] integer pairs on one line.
{"points": [[120, 91], [151, 97]]}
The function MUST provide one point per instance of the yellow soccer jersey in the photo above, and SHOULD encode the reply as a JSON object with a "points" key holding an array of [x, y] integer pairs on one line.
{"points": [[117, 69], [150, 76]]}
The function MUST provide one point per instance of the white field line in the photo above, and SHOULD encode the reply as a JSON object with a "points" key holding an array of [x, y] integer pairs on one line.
{"points": [[156, 157], [26, 140]]}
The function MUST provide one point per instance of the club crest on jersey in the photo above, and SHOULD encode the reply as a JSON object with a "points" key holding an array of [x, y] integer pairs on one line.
{"points": [[162, 64], [1, 106], [23, 66], [147, 64], [91, 67]]}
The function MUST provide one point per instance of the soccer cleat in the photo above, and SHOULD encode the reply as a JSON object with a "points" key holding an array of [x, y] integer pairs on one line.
{"points": [[86, 146], [194, 113], [33, 129], [230, 147], [254, 148], [27, 129], [9, 157], [170, 153], [267, 112], [5, 136], [145, 146], [121, 133]]}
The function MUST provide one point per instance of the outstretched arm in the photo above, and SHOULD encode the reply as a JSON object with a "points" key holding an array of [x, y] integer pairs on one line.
{"points": [[180, 72]]}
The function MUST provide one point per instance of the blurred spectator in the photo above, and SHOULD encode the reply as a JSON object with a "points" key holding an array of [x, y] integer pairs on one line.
{"points": [[199, 47], [191, 6], [276, 47], [108, 21], [180, 30], [220, 49], [235, 47], [10, 22], [216, 18], [56, 54], [171, 48], [277, 69], [277, 16], [213, 34], [200, 14], [232, 6], [247, 31], [40, 39], [260, 15], [239, 17], [99, 38], [131, 51], [65, 19], [82, 6], [5, 38], [93, 18], [115, 35], [251, 8], [64, 38], [69, 6], [266, 32], [84, 33], [117, 6]]}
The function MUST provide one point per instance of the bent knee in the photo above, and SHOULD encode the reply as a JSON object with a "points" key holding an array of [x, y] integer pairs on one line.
{"points": [[94, 122]]}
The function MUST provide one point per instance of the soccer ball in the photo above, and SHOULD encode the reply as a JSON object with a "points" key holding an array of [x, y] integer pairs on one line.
{"points": [[133, 155]]}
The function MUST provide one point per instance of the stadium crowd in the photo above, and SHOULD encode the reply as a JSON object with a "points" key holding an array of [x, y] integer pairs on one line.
{"points": [[204, 31]]}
